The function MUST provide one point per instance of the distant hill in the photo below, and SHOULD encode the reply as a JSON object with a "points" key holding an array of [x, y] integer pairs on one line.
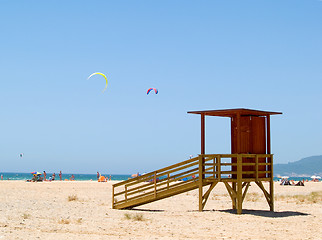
{"points": [[305, 167]]}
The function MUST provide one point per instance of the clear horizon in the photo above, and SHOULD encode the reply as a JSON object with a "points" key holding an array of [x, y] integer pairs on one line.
{"points": [[264, 55]]}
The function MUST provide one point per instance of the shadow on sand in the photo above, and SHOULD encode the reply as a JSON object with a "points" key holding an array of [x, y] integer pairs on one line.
{"points": [[262, 213], [145, 210], [266, 213]]}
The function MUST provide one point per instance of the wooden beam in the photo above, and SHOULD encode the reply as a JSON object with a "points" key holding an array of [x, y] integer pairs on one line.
{"points": [[232, 194], [205, 197], [266, 194], [245, 191], [230, 190]]}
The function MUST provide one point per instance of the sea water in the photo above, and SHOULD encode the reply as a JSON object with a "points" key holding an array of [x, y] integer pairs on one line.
{"points": [[78, 177], [88, 177]]}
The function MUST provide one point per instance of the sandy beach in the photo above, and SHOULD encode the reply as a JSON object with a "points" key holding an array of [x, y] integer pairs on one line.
{"points": [[82, 210]]}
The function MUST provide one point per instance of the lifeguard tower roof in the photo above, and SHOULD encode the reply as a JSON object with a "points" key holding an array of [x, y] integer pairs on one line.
{"points": [[234, 112]]}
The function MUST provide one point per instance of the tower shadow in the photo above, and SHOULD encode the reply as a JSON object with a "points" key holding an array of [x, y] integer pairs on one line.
{"points": [[266, 213]]}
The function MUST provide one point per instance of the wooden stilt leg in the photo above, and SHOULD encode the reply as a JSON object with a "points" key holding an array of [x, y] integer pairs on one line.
{"points": [[232, 194], [234, 203], [200, 199], [271, 187], [271, 193], [239, 185], [200, 182]]}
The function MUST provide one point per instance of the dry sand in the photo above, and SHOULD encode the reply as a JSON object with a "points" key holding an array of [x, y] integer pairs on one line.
{"points": [[43, 211]]}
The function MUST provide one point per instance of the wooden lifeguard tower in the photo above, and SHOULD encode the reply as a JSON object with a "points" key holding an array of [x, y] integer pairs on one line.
{"points": [[250, 161]]}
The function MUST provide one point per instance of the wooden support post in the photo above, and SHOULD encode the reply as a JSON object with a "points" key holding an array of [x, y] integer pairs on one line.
{"points": [[268, 133], [239, 184], [202, 134], [200, 181], [271, 186], [237, 150], [201, 167]]}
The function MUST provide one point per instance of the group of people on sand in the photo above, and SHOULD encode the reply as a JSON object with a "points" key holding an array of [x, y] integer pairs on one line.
{"points": [[315, 180], [53, 176], [38, 178], [285, 181]]}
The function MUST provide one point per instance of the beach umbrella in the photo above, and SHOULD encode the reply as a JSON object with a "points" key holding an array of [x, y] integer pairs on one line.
{"points": [[318, 177], [36, 173], [313, 176], [285, 177]]}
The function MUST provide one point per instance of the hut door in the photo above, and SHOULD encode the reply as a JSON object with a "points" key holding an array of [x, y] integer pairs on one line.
{"points": [[252, 140], [252, 135]]}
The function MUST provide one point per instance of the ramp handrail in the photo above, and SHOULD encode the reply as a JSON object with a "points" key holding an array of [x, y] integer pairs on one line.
{"points": [[153, 182]]}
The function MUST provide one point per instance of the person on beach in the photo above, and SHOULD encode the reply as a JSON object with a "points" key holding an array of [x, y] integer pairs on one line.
{"points": [[98, 175], [45, 175], [53, 177], [72, 178], [60, 175], [34, 178], [1, 177]]}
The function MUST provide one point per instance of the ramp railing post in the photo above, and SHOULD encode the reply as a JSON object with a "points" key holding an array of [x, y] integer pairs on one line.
{"points": [[125, 193], [168, 181], [155, 184], [219, 168], [113, 200]]}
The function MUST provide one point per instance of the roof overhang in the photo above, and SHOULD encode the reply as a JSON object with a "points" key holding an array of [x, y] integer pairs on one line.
{"points": [[234, 112]]}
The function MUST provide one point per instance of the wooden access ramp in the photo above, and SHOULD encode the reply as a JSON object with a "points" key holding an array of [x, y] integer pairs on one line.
{"points": [[236, 171], [153, 186]]}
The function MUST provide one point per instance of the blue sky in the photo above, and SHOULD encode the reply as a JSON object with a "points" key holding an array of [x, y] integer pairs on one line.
{"points": [[200, 55]]}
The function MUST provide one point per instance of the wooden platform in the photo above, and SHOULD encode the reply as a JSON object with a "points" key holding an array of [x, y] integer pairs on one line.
{"points": [[236, 171]]}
